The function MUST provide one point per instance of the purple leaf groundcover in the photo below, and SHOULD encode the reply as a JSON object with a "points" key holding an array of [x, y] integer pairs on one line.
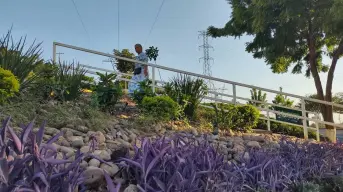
{"points": [[185, 163]]}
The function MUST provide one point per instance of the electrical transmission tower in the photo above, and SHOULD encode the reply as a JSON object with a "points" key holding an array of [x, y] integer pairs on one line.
{"points": [[206, 58]]}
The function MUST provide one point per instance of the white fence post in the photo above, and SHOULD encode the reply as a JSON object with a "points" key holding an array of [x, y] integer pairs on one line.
{"points": [[303, 110], [317, 127], [153, 80], [54, 52], [234, 94], [268, 121]]}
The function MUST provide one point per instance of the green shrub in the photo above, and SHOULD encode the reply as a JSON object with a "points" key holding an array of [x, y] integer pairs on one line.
{"points": [[229, 116], [107, 91], [285, 129], [160, 107], [9, 85], [187, 92], [246, 117], [145, 91]]}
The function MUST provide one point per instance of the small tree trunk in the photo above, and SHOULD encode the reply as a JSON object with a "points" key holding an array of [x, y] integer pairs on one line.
{"points": [[331, 130], [326, 111]]}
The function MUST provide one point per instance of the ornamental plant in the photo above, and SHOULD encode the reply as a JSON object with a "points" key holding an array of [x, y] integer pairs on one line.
{"points": [[184, 163], [9, 85], [28, 164]]}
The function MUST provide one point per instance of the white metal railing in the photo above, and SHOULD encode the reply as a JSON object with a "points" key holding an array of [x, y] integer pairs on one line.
{"points": [[234, 96]]}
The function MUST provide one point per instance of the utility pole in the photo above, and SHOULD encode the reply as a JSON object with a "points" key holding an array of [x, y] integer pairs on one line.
{"points": [[206, 57], [59, 56]]}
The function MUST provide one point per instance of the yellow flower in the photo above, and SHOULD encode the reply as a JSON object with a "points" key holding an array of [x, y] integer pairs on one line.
{"points": [[86, 91]]}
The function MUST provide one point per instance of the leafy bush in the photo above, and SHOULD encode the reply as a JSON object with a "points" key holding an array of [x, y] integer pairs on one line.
{"points": [[187, 92], [246, 117], [28, 164], [160, 107], [190, 164], [19, 58], [229, 116], [145, 91], [285, 129], [124, 66], [9, 85], [108, 92], [62, 82]]}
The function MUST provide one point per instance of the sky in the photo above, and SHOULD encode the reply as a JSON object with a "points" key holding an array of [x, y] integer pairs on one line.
{"points": [[175, 34]]}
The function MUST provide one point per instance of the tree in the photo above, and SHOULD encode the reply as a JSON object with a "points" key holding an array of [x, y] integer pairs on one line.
{"points": [[296, 33], [282, 100], [258, 96], [124, 66], [315, 107]]}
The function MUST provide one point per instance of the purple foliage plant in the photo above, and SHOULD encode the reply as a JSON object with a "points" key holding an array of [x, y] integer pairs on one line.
{"points": [[184, 163]]}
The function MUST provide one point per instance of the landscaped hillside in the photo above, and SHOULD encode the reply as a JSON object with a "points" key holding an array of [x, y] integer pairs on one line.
{"points": [[63, 132]]}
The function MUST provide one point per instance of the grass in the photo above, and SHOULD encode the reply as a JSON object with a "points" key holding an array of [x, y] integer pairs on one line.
{"points": [[57, 115]]}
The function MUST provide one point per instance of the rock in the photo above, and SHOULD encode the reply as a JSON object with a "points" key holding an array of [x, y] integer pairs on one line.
{"points": [[59, 155], [274, 144], [229, 144], [75, 132], [51, 131], [102, 146], [111, 169], [94, 163], [82, 128], [134, 136], [68, 134], [131, 188], [46, 137], [194, 131], [246, 137], [100, 138], [109, 137], [97, 153], [85, 149], [238, 140], [157, 128], [124, 143], [104, 155], [238, 148], [74, 138], [246, 156], [77, 143], [63, 142], [67, 150], [124, 137], [92, 175], [254, 144], [113, 146], [89, 133], [258, 138], [83, 164]]}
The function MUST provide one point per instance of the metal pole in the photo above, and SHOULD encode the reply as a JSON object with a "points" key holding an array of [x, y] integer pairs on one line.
{"points": [[234, 93], [268, 121], [54, 52], [153, 79], [303, 110]]}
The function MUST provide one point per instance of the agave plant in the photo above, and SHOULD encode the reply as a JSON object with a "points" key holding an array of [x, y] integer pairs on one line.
{"points": [[20, 61], [187, 92]]}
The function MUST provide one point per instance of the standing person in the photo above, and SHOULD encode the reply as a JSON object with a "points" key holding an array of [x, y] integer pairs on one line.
{"points": [[140, 71]]}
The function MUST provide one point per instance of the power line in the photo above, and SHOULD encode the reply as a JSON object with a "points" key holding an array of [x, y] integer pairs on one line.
{"points": [[80, 18], [153, 25], [118, 25]]}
